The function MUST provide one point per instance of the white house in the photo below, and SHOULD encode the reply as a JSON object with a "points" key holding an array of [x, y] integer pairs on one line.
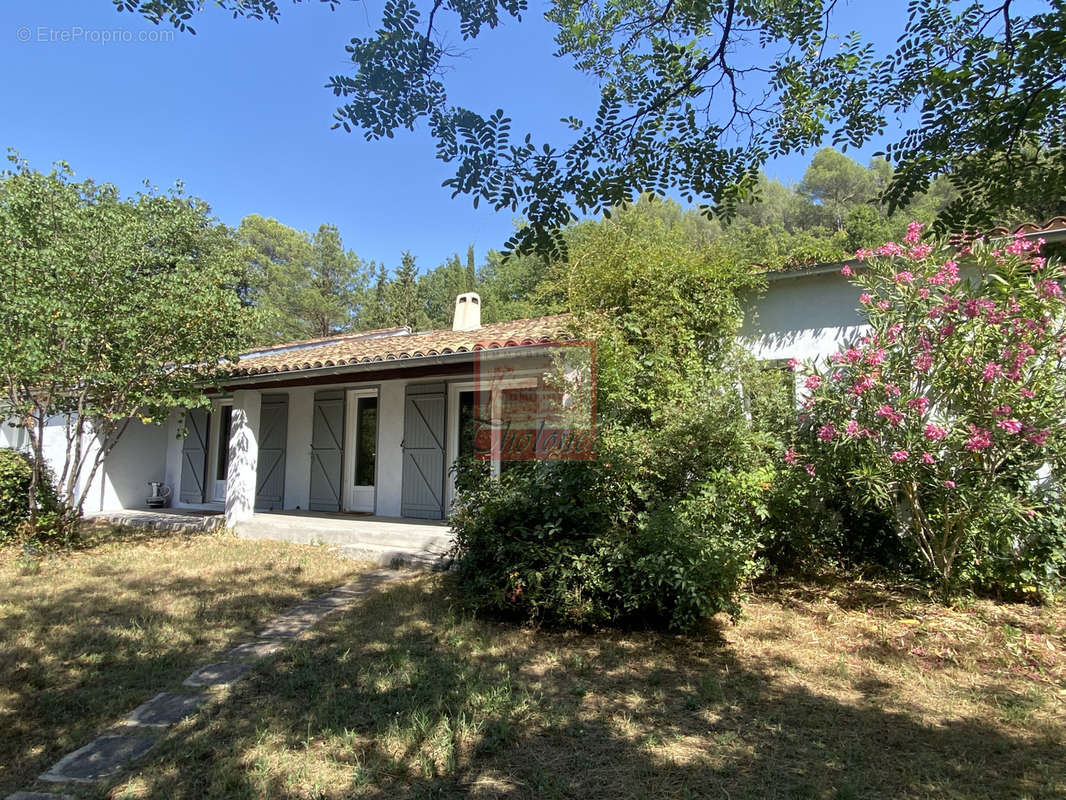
{"points": [[366, 422], [371, 422]]}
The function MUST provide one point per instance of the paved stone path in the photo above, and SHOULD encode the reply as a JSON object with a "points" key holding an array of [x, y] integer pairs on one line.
{"points": [[110, 754]]}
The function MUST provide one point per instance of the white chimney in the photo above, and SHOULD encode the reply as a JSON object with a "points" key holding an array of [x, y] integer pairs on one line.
{"points": [[467, 312]]}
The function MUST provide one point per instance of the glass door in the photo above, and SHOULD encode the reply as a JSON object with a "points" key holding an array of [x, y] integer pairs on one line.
{"points": [[220, 451], [362, 449]]}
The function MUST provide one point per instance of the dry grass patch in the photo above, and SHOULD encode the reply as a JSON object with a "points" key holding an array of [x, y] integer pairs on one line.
{"points": [[820, 692], [87, 636]]}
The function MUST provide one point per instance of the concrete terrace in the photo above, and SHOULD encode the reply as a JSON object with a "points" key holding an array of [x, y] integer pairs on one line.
{"points": [[386, 541]]}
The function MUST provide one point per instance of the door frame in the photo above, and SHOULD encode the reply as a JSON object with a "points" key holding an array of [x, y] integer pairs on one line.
{"points": [[351, 438], [215, 422], [451, 424]]}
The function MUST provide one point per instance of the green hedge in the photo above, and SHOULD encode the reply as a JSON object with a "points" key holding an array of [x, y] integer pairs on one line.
{"points": [[16, 471]]}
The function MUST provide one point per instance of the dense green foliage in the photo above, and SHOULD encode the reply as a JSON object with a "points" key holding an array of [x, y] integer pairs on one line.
{"points": [[664, 526], [302, 285], [113, 310], [16, 476], [697, 96]]}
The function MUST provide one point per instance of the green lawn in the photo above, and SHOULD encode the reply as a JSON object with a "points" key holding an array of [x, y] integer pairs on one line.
{"points": [[834, 691]]}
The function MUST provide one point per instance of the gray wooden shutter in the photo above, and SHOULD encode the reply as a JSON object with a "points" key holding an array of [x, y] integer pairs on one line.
{"points": [[422, 494], [270, 471], [194, 456], [327, 451]]}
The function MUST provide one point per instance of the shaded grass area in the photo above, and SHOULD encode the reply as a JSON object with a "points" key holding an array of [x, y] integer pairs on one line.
{"points": [[851, 691], [88, 635]]}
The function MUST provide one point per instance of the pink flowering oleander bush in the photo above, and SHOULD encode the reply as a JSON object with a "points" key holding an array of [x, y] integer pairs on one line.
{"points": [[950, 406]]}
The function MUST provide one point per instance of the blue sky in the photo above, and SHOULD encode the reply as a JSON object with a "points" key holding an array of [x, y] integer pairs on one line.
{"points": [[239, 113]]}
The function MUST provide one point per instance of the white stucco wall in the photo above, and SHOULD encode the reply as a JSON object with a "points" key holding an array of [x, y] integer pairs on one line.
{"points": [[12, 435], [172, 469], [802, 317], [139, 457]]}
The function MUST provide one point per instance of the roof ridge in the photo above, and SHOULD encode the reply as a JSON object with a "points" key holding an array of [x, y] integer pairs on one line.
{"points": [[340, 337], [365, 348]]}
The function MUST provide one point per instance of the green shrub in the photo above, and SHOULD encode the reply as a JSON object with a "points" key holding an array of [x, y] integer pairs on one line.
{"points": [[556, 543], [662, 528], [826, 522], [51, 528], [1025, 559], [15, 473], [531, 544]]}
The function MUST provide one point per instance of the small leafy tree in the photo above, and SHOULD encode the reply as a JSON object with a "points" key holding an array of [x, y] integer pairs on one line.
{"points": [[112, 310], [952, 405], [664, 526]]}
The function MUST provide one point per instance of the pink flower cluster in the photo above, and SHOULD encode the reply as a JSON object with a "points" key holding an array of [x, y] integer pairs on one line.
{"points": [[919, 404], [1038, 437], [979, 440], [948, 275], [1049, 288], [1010, 425], [935, 433], [889, 414], [991, 371], [875, 356], [864, 383]]}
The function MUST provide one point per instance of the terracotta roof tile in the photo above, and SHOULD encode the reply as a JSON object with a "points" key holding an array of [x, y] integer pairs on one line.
{"points": [[1027, 228], [371, 334], [397, 345]]}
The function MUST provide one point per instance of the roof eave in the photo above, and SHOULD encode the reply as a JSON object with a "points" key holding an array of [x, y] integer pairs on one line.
{"points": [[1052, 236], [397, 364]]}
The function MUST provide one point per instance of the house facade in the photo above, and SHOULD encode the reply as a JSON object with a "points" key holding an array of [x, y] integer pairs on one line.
{"points": [[368, 423], [371, 422]]}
